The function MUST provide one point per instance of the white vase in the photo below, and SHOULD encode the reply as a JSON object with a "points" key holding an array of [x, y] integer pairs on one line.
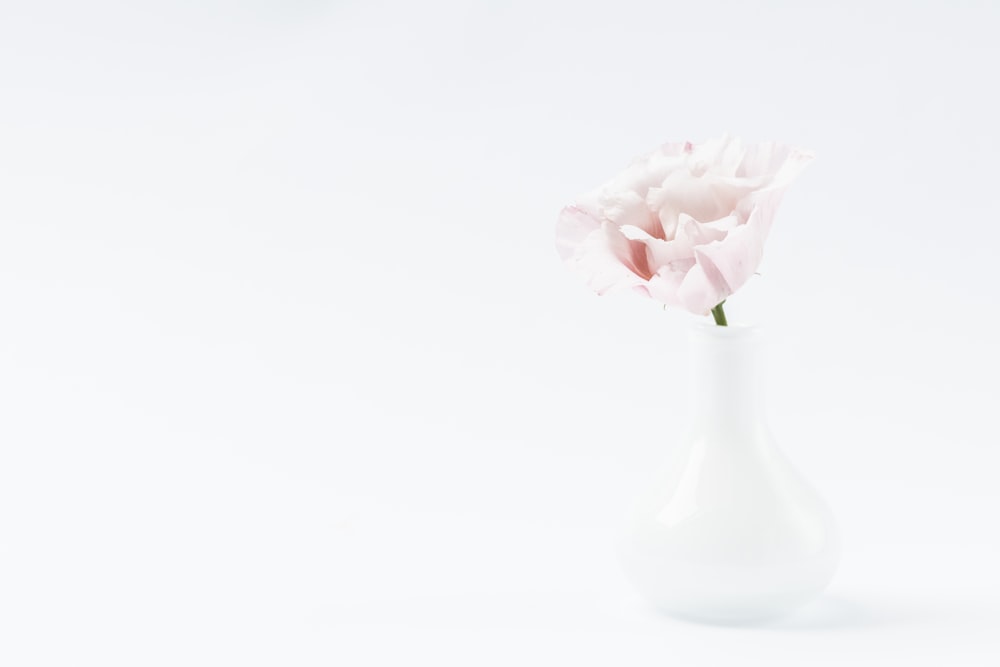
{"points": [[730, 532]]}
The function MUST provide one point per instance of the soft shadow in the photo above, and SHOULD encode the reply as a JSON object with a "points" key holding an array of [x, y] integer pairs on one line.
{"points": [[829, 612]]}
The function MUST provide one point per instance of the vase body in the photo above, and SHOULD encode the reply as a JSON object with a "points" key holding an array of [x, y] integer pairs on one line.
{"points": [[729, 532]]}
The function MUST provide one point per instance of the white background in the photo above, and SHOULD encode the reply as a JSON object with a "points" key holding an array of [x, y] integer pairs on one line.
{"points": [[290, 373]]}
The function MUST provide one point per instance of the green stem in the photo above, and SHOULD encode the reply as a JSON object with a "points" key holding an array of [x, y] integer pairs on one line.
{"points": [[720, 315]]}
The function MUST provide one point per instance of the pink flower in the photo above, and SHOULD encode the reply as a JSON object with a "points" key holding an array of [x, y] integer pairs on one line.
{"points": [[684, 225]]}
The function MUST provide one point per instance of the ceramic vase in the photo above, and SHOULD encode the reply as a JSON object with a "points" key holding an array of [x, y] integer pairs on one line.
{"points": [[729, 532]]}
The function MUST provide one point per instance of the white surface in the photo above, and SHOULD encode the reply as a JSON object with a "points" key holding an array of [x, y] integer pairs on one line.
{"points": [[290, 373], [729, 532]]}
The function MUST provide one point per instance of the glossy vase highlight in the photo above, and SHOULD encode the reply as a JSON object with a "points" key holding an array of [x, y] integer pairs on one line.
{"points": [[730, 532]]}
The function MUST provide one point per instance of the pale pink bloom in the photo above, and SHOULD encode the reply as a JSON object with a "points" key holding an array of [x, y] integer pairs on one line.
{"points": [[684, 225]]}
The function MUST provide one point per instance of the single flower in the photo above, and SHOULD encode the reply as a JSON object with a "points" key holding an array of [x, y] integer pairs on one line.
{"points": [[684, 225]]}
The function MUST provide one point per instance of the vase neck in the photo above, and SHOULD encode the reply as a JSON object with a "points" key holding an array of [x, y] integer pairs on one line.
{"points": [[726, 377]]}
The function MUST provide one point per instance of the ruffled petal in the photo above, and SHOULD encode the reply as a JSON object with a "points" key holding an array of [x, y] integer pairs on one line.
{"points": [[647, 171], [695, 233], [608, 260], [704, 198], [684, 225], [701, 290], [780, 163], [665, 284], [735, 258], [573, 227], [721, 156], [628, 209]]}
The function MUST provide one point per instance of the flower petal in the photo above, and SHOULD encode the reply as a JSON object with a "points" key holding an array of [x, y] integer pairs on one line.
{"points": [[629, 209], [701, 290], [735, 258], [608, 260], [778, 161], [684, 225], [631, 254], [664, 285], [573, 227]]}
